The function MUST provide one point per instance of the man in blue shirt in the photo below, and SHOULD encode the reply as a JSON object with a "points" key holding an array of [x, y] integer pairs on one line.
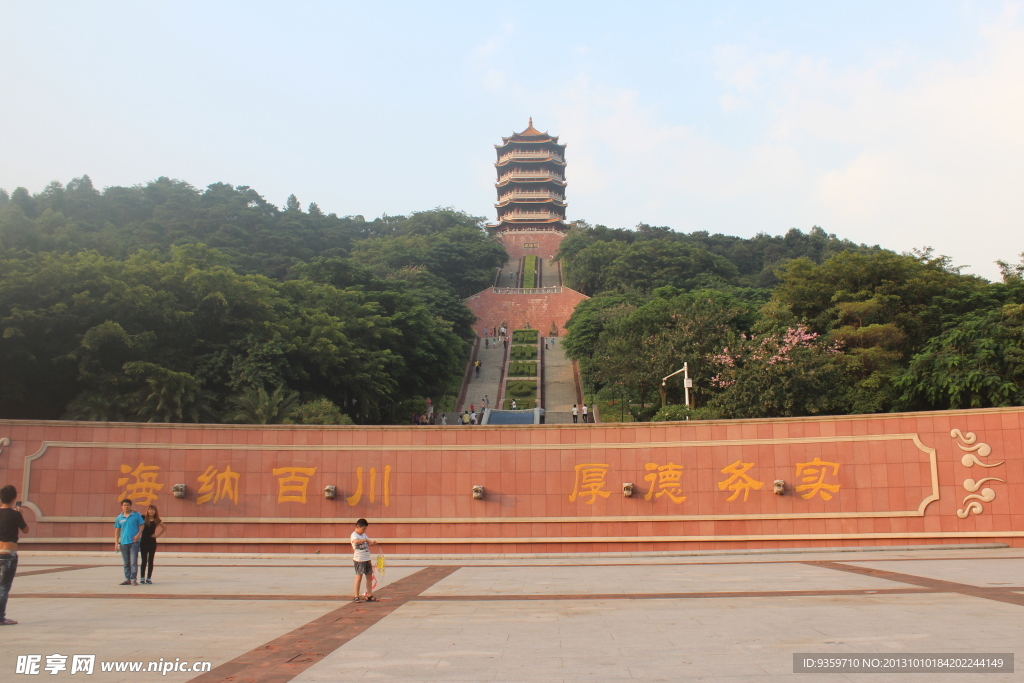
{"points": [[126, 539]]}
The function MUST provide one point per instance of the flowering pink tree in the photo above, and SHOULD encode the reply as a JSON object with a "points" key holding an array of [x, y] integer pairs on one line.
{"points": [[796, 372]]}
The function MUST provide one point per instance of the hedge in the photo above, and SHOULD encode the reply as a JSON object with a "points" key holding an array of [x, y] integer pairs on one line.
{"points": [[523, 353], [521, 404], [530, 271], [521, 388], [522, 368], [525, 336]]}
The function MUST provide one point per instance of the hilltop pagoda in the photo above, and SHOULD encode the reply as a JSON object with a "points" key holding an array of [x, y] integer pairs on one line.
{"points": [[531, 182]]}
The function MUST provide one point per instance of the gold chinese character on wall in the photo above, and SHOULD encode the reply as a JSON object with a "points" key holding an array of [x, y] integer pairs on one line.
{"points": [[292, 483], [216, 485], [589, 482], [140, 486], [739, 480], [813, 475], [665, 480], [385, 487]]}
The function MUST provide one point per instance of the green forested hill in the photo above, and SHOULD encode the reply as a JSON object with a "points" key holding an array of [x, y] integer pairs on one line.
{"points": [[163, 302], [802, 324]]}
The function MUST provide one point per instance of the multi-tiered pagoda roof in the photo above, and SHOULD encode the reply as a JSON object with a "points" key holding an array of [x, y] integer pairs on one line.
{"points": [[531, 182]]}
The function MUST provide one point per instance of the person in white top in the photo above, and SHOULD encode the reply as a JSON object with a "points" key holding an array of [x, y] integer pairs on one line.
{"points": [[584, 412], [361, 560]]}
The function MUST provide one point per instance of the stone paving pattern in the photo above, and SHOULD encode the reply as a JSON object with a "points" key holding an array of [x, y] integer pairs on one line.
{"points": [[720, 618]]}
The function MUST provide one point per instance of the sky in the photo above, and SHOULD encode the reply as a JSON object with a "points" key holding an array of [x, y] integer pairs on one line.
{"points": [[891, 123]]}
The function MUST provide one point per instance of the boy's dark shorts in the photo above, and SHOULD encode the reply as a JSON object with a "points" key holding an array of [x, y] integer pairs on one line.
{"points": [[363, 567]]}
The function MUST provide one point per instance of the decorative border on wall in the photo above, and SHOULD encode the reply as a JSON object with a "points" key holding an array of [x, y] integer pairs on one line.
{"points": [[558, 539], [919, 512]]}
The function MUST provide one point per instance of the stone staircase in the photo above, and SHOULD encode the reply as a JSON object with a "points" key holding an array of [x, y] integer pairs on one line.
{"points": [[561, 390], [506, 303]]}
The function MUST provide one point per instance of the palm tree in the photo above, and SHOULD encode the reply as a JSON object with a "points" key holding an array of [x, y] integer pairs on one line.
{"points": [[256, 406]]}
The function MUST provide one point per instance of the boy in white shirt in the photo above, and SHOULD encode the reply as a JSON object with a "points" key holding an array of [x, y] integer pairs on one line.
{"points": [[361, 560]]}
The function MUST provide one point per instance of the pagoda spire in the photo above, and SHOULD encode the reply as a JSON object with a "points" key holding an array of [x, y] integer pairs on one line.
{"points": [[531, 182]]}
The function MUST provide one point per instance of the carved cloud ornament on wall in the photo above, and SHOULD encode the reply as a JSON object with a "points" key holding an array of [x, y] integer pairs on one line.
{"points": [[973, 449]]}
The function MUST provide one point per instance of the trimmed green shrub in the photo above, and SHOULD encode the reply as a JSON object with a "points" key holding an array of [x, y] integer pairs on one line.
{"points": [[677, 413], [521, 404], [522, 368], [524, 336], [530, 271], [523, 353], [522, 388]]}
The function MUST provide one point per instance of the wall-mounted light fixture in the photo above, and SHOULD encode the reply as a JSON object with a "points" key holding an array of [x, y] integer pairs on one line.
{"points": [[178, 490], [627, 490], [779, 487], [478, 493], [330, 491]]}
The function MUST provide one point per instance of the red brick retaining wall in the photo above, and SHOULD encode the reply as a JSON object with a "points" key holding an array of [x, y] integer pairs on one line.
{"points": [[945, 477], [546, 244], [539, 310]]}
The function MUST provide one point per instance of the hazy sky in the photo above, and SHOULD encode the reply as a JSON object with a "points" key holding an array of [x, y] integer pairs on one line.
{"points": [[897, 123]]}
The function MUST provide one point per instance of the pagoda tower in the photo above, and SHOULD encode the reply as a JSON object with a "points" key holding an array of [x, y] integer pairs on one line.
{"points": [[531, 182]]}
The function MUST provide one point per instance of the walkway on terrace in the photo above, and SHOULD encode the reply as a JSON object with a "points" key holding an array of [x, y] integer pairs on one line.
{"points": [[721, 617]]}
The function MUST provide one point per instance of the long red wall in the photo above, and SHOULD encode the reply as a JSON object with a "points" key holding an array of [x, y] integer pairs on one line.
{"points": [[926, 478]]}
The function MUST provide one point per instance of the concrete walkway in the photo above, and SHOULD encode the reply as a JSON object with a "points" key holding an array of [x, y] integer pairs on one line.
{"points": [[717, 618], [550, 273], [490, 376], [559, 386]]}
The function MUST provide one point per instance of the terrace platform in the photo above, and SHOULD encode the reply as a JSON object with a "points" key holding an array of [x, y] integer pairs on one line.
{"points": [[720, 617]]}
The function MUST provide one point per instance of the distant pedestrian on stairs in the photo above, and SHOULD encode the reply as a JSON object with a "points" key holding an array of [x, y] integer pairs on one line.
{"points": [[584, 413], [575, 414]]}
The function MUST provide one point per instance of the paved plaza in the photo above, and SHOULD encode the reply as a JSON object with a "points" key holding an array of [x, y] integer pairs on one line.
{"points": [[710, 617]]}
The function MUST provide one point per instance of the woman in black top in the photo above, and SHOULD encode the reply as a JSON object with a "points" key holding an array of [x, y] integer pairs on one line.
{"points": [[11, 522], [147, 544]]}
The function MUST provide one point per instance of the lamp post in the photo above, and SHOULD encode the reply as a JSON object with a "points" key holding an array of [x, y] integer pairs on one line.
{"points": [[687, 383]]}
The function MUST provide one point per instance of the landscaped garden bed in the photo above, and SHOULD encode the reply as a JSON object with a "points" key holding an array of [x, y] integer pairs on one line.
{"points": [[523, 391], [522, 368], [523, 352], [530, 271], [524, 336]]}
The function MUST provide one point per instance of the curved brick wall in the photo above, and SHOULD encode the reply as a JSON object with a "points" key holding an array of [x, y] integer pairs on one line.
{"points": [[949, 477]]}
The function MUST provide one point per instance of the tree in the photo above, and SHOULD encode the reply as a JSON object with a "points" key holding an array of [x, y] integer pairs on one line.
{"points": [[255, 405], [1009, 271], [779, 375], [978, 363], [318, 412]]}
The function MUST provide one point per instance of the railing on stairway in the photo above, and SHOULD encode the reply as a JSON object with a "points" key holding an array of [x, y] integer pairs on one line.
{"points": [[526, 290]]}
